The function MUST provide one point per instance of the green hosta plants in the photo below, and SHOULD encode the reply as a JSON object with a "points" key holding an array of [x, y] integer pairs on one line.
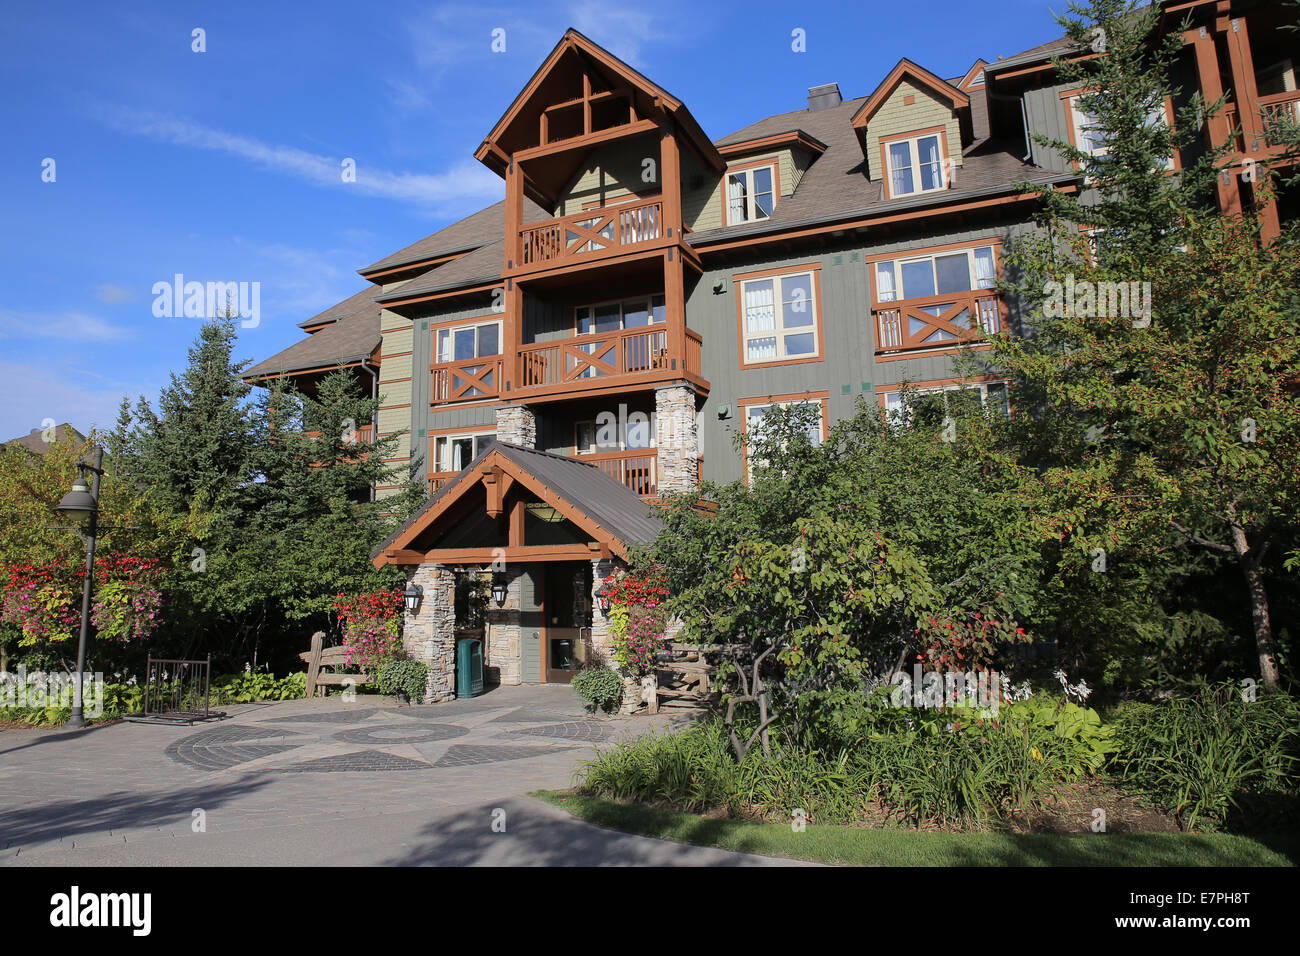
{"points": [[599, 687], [404, 678]]}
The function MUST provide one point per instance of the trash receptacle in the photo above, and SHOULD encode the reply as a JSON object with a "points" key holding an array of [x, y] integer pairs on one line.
{"points": [[469, 667]]}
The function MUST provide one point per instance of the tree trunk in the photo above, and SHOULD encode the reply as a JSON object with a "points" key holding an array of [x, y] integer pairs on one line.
{"points": [[1250, 567]]}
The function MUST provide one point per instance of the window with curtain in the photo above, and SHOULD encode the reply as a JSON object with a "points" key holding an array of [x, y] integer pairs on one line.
{"points": [[915, 165], [751, 194], [943, 273], [990, 394], [1093, 141], [469, 342], [614, 316], [779, 318], [755, 415], [454, 452]]}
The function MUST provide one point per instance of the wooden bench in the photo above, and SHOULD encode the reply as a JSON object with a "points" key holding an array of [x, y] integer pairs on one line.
{"points": [[335, 658]]}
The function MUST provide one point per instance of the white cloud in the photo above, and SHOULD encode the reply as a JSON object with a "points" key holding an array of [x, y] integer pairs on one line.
{"points": [[31, 394], [111, 294], [467, 180], [64, 326]]}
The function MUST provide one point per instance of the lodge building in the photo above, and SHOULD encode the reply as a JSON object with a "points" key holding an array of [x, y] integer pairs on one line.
{"points": [[559, 359]]}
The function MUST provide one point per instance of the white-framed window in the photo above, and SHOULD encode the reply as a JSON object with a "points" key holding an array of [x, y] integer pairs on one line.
{"points": [[454, 452], [618, 315], [471, 341], [751, 194], [779, 318], [1091, 140], [990, 394], [915, 164], [607, 433], [755, 415], [939, 273]]}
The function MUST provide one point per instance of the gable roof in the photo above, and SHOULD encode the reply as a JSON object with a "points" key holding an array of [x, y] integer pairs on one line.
{"points": [[492, 156], [835, 187], [464, 235], [905, 68], [603, 507], [352, 337], [37, 445]]}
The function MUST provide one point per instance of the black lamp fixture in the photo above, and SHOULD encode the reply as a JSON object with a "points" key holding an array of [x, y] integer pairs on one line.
{"points": [[82, 504], [602, 596], [499, 591], [412, 595]]}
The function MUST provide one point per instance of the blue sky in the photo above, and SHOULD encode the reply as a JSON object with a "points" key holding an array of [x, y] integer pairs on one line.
{"points": [[225, 165]]}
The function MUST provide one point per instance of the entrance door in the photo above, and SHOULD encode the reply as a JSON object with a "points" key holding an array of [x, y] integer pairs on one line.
{"points": [[568, 615], [531, 624]]}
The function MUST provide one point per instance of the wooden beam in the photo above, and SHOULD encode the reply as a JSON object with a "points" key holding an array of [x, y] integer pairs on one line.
{"points": [[515, 538], [583, 142], [545, 552]]}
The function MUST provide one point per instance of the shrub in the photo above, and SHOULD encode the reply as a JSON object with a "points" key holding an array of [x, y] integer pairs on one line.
{"points": [[599, 687], [1203, 757], [918, 767], [404, 678], [249, 687]]}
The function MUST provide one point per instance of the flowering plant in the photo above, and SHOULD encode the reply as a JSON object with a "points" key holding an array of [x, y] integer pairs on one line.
{"points": [[41, 601], [637, 619], [127, 598], [372, 627]]}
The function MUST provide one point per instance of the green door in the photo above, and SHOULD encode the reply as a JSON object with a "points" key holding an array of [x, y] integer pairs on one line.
{"points": [[531, 623]]}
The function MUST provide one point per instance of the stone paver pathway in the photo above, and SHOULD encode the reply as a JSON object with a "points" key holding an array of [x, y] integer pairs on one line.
{"points": [[323, 782]]}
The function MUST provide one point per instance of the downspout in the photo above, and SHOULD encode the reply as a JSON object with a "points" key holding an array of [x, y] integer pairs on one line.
{"points": [[374, 416], [1024, 121]]}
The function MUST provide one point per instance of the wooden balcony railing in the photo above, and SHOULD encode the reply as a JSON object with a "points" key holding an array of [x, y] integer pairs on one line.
{"points": [[937, 321], [466, 379], [637, 468], [595, 231], [1278, 105], [595, 356]]}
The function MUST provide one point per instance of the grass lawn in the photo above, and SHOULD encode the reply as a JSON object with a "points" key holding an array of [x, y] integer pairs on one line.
{"points": [[847, 845]]}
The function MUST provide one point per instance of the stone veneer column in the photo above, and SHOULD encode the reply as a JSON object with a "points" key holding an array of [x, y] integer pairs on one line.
{"points": [[600, 634], [517, 424], [503, 637], [429, 635], [678, 438]]}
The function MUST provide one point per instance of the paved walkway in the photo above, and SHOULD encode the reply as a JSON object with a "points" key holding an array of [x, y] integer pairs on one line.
{"points": [[322, 781]]}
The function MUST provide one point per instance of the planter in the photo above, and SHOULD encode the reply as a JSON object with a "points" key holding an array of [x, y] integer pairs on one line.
{"points": [[631, 695]]}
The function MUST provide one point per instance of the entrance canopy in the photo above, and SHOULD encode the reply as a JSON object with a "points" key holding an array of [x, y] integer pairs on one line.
{"points": [[518, 504]]}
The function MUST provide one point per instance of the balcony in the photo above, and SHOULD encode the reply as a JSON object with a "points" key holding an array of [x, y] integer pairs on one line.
{"points": [[590, 236], [1271, 107], [636, 468], [621, 358], [939, 321], [465, 380]]}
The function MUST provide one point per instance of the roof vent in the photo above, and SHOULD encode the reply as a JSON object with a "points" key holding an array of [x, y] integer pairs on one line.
{"points": [[824, 97]]}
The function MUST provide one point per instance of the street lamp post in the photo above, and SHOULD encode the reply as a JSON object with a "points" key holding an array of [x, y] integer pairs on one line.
{"points": [[83, 503]]}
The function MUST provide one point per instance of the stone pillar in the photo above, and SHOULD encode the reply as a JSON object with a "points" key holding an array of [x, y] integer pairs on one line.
{"points": [[503, 635], [601, 568], [429, 635], [517, 424], [678, 438]]}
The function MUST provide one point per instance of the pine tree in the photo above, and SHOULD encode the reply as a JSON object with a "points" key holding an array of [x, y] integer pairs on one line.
{"points": [[1166, 424]]}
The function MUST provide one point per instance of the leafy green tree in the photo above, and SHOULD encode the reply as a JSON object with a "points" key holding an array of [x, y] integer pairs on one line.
{"points": [[1158, 373]]}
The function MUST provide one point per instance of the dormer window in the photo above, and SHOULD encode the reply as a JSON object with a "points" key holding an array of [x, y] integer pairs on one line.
{"points": [[751, 194], [914, 164]]}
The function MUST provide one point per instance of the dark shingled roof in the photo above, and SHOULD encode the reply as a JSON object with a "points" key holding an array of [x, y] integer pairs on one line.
{"points": [[605, 500], [836, 185], [353, 336], [37, 445], [484, 264], [473, 231]]}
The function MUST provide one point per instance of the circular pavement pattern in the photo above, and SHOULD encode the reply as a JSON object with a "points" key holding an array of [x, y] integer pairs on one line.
{"points": [[382, 736]]}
